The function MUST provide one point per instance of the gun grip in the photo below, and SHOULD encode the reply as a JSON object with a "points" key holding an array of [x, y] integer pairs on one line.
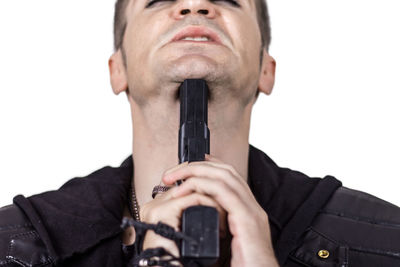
{"points": [[202, 224]]}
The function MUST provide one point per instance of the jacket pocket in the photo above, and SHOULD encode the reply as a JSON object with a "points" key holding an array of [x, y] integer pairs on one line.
{"points": [[318, 250]]}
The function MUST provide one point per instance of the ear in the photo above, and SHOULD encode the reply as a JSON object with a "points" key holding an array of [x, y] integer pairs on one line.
{"points": [[267, 75], [118, 78]]}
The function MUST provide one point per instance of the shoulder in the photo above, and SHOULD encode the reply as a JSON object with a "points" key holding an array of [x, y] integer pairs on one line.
{"points": [[20, 244], [354, 229], [33, 229]]}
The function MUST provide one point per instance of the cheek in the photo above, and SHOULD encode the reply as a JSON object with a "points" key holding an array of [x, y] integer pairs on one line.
{"points": [[248, 44], [245, 34], [142, 36], [251, 40]]}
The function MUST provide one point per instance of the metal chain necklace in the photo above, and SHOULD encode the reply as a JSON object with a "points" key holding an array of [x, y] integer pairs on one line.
{"points": [[134, 205]]}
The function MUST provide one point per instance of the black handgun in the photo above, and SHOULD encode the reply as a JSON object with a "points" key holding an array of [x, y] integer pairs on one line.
{"points": [[199, 222]]}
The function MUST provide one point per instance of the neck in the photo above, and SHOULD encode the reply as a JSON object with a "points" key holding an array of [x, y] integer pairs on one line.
{"points": [[155, 140]]}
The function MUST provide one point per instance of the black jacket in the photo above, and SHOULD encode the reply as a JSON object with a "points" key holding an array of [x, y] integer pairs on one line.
{"points": [[79, 224]]}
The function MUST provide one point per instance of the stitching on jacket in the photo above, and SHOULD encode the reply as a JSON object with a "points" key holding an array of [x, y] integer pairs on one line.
{"points": [[13, 227], [292, 257], [363, 249], [25, 235], [14, 260], [359, 219], [346, 256], [376, 252], [312, 229]]}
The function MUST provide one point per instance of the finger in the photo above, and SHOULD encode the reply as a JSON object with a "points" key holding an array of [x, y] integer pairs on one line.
{"points": [[170, 212], [220, 164], [179, 204], [185, 168], [166, 206], [208, 170], [175, 168], [196, 199], [231, 200], [208, 159], [212, 158]]}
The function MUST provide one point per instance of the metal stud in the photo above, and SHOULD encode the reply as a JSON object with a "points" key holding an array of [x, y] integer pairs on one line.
{"points": [[324, 254]]}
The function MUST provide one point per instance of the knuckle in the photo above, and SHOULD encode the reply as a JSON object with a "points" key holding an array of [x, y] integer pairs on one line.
{"points": [[151, 212], [193, 168], [233, 170], [191, 184], [225, 173], [222, 184], [196, 197], [227, 191], [201, 199]]}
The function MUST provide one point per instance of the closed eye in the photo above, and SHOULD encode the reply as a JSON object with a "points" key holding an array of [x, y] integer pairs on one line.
{"points": [[232, 2], [152, 2]]}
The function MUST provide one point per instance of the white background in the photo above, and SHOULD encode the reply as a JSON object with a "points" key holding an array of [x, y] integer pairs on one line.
{"points": [[334, 110]]}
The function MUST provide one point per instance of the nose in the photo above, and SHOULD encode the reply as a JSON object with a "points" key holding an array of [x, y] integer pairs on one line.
{"points": [[194, 7]]}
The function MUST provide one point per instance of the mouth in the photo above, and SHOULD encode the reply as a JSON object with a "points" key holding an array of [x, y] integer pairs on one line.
{"points": [[197, 34]]}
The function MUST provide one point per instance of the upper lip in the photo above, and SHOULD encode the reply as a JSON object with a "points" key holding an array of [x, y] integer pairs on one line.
{"points": [[197, 31]]}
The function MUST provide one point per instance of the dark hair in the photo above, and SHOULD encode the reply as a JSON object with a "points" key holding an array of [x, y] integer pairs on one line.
{"points": [[120, 23]]}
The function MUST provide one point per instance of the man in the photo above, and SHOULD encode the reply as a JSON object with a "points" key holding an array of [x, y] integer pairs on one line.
{"points": [[272, 215], [229, 60]]}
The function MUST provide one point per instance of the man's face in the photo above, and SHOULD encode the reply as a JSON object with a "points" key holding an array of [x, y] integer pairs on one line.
{"points": [[158, 59]]}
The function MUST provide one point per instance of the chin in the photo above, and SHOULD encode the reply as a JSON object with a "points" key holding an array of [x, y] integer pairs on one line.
{"points": [[218, 72], [194, 67]]}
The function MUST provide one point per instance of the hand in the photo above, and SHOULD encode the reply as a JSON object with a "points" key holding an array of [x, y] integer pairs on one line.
{"points": [[168, 210], [248, 222]]}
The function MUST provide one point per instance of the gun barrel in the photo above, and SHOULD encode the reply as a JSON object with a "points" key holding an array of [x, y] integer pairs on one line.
{"points": [[194, 135]]}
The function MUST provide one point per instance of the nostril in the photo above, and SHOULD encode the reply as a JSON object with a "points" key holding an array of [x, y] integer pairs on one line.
{"points": [[203, 11], [185, 11]]}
